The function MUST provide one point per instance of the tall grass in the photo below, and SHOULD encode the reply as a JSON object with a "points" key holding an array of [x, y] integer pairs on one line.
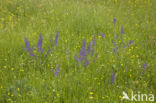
{"points": [[24, 79]]}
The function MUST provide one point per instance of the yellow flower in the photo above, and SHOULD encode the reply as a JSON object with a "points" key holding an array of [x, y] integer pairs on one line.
{"points": [[18, 89], [19, 95], [46, 102], [21, 70], [8, 93], [5, 67], [91, 97], [121, 64], [12, 69], [58, 94], [91, 93]]}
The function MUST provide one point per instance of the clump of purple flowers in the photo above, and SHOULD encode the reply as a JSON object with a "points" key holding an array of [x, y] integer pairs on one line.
{"points": [[28, 48], [39, 46], [85, 53]]}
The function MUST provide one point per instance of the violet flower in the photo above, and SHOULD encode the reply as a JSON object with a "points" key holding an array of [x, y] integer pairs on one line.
{"points": [[144, 68], [122, 30], [56, 38], [114, 20], [112, 77], [102, 35], [39, 44]]}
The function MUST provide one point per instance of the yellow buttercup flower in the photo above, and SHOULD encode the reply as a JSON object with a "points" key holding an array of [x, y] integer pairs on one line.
{"points": [[91, 93]]}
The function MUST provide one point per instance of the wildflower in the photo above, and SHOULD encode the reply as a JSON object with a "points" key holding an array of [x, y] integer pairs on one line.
{"points": [[21, 70], [122, 30], [114, 20], [115, 50], [102, 35], [8, 93], [5, 67], [91, 93], [39, 44], [83, 51], [130, 42], [28, 48], [18, 89], [144, 68], [86, 62], [12, 69], [89, 48], [91, 97], [94, 40], [56, 38], [19, 95], [56, 70], [112, 77]]}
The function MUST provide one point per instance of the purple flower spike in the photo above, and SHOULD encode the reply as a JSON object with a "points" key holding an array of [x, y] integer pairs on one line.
{"points": [[115, 50], [122, 30], [56, 38], [112, 77], [39, 44], [83, 49], [28, 48], [114, 20], [57, 72], [27, 45], [94, 41], [130, 42], [102, 35], [144, 68]]}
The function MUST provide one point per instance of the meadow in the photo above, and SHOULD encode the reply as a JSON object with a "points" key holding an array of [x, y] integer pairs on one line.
{"points": [[76, 51]]}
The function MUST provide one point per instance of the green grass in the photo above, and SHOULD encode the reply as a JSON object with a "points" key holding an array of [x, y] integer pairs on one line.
{"points": [[24, 79]]}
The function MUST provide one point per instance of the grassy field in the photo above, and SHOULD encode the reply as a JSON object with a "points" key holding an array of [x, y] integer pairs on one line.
{"points": [[76, 51]]}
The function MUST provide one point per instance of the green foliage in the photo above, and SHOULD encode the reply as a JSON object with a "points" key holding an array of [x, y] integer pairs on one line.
{"points": [[24, 80]]}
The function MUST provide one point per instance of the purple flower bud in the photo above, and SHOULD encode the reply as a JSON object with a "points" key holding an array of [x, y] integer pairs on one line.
{"points": [[115, 50], [39, 44], [114, 20], [89, 48], [130, 42], [102, 35], [112, 77], [56, 38], [83, 49], [144, 68], [122, 30]]}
